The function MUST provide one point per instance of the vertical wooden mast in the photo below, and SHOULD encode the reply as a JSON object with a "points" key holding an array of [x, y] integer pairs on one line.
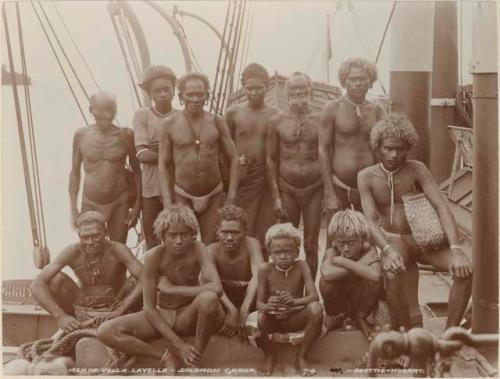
{"points": [[411, 66]]}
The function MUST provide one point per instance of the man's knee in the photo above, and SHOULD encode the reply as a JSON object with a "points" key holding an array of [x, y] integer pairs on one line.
{"points": [[314, 311], [208, 302], [106, 332]]}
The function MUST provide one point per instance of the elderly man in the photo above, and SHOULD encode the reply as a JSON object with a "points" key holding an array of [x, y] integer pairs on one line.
{"points": [[103, 149], [159, 84], [184, 306], [293, 167], [189, 167], [344, 146], [237, 258], [100, 266], [248, 127], [383, 188]]}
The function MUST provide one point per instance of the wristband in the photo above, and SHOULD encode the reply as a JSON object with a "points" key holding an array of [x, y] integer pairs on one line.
{"points": [[140, 152], [385, 248]]}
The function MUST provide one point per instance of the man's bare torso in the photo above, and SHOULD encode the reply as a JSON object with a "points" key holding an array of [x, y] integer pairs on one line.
{"points": [[404, 183], [182, 270], [298, 150], [233, 267], [112, 272], [196, 175], [250, 128], [104, 163], [351, 140]]}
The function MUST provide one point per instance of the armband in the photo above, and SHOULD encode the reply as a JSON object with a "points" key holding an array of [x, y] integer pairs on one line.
{"points": [[140, 152], [385, 248]]}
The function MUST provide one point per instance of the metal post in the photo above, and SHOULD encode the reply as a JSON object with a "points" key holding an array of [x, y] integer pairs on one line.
{"points": [[411, 66], [444, 86], [485, 214]]}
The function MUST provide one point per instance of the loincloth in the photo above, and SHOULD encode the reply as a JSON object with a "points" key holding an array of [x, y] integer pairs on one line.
{"points": [[252, 184], [199, 203], [352, 193], [105, 209], [302, 195], [407, 239], [170, 315]]}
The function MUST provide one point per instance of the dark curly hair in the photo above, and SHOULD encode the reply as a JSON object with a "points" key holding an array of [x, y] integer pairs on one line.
{"points": [[257, 71], [181, 83], [369, 67], [231, 213]]}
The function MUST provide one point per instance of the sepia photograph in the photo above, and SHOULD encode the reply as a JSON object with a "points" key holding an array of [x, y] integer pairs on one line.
{"points": [[249, 188]]}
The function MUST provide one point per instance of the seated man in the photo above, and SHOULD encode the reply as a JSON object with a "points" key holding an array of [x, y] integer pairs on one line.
{"points": [[351, 273], [184, 307], [237, 258], [100, 266], [382, 188], [281, 303]]}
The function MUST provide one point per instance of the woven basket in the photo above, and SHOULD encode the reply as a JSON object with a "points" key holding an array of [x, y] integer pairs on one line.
{"points": [[89, 307], [424, 221]]}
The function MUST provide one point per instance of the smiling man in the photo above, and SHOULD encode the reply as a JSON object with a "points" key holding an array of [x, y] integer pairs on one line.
{"points": [[237, 258], [189, 165], [184, 305], [100, 266], [248, 127]]}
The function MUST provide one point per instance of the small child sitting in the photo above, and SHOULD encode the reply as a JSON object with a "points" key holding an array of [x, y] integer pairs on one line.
{"points": [[282, 305], [351, 273]]}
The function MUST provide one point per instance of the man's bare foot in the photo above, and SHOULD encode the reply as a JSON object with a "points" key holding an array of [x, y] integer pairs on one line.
{"points": [[304, 367], [170, 362], [268, 367], [366, 327]]}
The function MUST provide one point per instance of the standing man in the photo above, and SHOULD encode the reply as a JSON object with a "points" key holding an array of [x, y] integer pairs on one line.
{"points": [[382, 187], [293, 167], [188, 165], [159, 84], [237, 258], [103, 149], [248, 127], [100, 267], [344, 137], [183, 307]]}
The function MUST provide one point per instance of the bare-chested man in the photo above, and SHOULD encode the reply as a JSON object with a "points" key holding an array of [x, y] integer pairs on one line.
{"points": [[344, 137], [103, 148], [293, 167], [100, 266], [184, 306], [248, 127], [190, 142], [237, 258], [381, 187], [287, 300], [159, 84]]}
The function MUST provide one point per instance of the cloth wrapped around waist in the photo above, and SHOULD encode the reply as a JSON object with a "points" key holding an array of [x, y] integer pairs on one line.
{"points": [[252, 184]]}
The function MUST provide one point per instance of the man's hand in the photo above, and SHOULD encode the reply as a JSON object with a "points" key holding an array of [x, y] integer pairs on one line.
{"points": [[74, 217], [189, 354], [286, 298], [242, 330], [67, 323], [280, 210], [273, 303], [133, 216], [230, 326], [460, 266], [393, 261]]}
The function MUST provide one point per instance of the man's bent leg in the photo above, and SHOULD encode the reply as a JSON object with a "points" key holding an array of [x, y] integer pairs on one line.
{"points": [[208, 218], [311, 334], [394, 285], [312, 223], [128, 334], [460, 291], [335, 295], [65, 292]]}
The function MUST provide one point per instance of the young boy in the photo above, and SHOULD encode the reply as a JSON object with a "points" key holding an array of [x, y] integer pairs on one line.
{"points": [[351, 273], [281, 303]]}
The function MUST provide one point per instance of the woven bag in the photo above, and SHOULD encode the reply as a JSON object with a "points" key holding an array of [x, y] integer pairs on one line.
{"points": [[424, 221]]}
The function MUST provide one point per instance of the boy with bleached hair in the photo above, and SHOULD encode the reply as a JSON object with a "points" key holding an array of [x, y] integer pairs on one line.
{"points": [[351, 273]]}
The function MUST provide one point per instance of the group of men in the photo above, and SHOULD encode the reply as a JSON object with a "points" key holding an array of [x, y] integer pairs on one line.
{"points": [[283, 166]]}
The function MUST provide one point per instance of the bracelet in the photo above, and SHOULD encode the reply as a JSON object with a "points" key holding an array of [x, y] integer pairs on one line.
{"points": [[385, 248], [140, 152], [457, 247]]}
